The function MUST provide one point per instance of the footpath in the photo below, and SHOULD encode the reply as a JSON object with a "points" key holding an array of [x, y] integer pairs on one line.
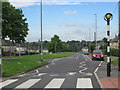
{"points": [[113, 81]]}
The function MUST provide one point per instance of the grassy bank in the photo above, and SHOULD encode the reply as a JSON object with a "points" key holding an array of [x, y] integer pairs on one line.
{"points": [[25, 63]]}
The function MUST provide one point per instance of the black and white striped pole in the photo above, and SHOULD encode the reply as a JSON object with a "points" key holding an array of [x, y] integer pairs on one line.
{"points": [[107, 18]]}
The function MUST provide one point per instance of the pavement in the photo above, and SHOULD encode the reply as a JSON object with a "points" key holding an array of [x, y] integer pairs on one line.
{"points": [[112, 81]]}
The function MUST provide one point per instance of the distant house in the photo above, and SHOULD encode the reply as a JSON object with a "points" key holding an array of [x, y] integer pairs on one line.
{"points": [[45, 51], [8, 47], [21, 48], [85, 49], [114, 42]]}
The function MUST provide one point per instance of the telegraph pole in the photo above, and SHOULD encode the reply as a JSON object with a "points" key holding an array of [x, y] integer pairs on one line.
{"points": [[119, 37]]}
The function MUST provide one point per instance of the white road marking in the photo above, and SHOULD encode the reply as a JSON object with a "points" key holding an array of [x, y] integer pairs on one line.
{"points": [[57, 59], [82, 65], [98, 80], [100, 63], [98, 66], [72, 73], [47, 66], [28, 83], [21, 75], [77, 57], [82, 62], [40, 74], [96, 69], [37, 71], [89, 58], [82, 70], [53, 75], [84, 83], [55, 83], [85, 57], [7, 82]]}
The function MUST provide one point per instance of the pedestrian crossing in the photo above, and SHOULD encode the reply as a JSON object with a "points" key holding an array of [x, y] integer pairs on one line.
{"points": [[53, 83]]}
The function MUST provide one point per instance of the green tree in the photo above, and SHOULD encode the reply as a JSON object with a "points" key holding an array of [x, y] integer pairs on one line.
{"points": [[55, 45], [104, 40], [14, 24]]}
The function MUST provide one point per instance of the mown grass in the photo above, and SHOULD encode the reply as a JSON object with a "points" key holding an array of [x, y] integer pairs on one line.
{"points": [[25, 63], [113, 60]]}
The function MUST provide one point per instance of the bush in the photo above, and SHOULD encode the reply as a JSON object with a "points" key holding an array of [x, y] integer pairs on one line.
{"points": [[113, 52]]}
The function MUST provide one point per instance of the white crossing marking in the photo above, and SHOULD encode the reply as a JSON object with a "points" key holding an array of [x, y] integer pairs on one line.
{"points": [[28, 83], [55, 83], [84, 83], [7, 82]]}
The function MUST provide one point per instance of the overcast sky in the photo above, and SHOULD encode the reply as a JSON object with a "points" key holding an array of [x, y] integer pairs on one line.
{"points": [[69, 19]]}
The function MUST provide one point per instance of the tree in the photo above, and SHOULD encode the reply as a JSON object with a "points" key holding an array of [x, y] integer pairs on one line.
{"points": [[104, 40], [55, 45], [14, 24]]}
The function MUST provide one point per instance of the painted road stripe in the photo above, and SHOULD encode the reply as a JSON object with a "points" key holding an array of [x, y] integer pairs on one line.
{"points": [[55, 83], [89, 58], [7, 82], [85, 57], [77, 57], [84, 83], [28, 83]]}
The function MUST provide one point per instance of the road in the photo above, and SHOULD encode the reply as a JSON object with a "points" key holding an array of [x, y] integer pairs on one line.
{"points": [[76, 71]]}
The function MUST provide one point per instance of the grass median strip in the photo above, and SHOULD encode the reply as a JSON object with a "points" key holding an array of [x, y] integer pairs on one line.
{"points": [[25, 63]]}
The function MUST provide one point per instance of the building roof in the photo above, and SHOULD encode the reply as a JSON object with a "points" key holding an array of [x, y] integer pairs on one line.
{"points": [[7, 43], [115, 39]]}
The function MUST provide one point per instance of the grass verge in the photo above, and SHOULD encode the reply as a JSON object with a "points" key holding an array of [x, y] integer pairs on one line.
{"points": [[25, 63], [113, 60]]}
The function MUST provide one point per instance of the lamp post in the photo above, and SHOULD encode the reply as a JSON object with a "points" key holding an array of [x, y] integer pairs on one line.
{"points": [[41, 35], [96, 29], [119, 37], [107, 18]]}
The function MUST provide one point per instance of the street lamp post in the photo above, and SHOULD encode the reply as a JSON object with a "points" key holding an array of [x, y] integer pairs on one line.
{"points": [[107, 18], [96, 29], [119, 38]]}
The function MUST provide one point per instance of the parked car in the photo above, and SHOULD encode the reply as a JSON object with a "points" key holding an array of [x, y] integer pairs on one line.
{"points": [[97, 55]]}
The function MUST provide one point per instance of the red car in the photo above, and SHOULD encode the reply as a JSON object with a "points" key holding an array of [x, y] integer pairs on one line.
{"points": [[97, 55]]}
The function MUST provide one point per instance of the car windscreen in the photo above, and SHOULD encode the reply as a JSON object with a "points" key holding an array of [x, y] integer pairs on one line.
{"points": [[97, 52]]}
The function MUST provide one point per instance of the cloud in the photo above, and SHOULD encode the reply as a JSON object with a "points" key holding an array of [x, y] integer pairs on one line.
{"points": [[70, 24], [25, 3], [73, 24], [70, 12], [60, 3]]}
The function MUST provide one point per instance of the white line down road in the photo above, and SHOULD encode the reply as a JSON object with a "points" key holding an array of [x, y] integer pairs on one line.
{"points": [[55, 83], [28, 83], [84, 83]]}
